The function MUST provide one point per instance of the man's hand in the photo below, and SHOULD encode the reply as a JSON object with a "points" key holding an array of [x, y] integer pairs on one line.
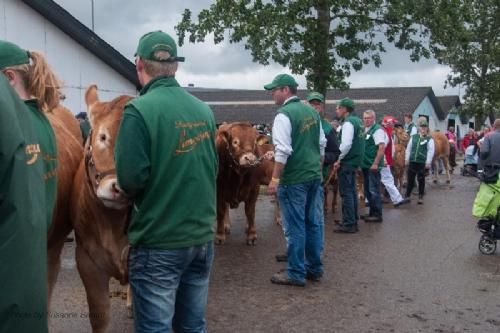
{"points": [[273, 186], [407, 163], [427, 165], [374, 167]]}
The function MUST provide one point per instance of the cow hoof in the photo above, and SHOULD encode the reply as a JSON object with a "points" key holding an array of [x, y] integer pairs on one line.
{"points": [[251, 242], [219, 241], [435, 181], [448, 182]]}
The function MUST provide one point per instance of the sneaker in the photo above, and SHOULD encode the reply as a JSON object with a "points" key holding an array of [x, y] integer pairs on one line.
{"points": [[342, 229], [281, 258], [282, 279], [373, 219], [314, 277], [420, 201]]}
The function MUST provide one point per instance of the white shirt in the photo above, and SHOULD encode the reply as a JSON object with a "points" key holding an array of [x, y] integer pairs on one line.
{"points": [[282, 137], [413, 129], [378, 136], [346, 139], [430, 150]]}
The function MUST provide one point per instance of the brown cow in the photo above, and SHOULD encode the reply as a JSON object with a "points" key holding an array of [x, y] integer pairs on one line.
{"points": [[69, 155], [400, 142], [241, 172], [99, 210], [441, 152]]}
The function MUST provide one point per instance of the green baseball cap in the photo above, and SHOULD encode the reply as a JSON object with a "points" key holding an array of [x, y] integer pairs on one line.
{"points": [[281, 80], [423, 123], [316, 96], [12, 55], [346, 102], [157, 41]]}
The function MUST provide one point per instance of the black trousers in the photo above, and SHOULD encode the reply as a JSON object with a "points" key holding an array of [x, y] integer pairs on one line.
{"points": [[416, 170], [453, 163]]}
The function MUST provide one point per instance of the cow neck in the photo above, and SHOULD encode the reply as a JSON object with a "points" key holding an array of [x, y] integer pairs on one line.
{"points": [[160, 81], [93, 175]]}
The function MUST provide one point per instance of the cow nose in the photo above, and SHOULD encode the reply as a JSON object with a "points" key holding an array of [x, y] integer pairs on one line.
{"points": [[115, 187]]}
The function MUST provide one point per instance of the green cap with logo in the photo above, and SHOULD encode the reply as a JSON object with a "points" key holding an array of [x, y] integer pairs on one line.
{"points": [[423, 123], [12, 55], [157, 41], [346, 102], [281, 80], [316, 96]]}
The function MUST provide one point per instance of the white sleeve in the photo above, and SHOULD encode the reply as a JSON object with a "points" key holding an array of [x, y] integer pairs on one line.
{"points": [[414, 130], [408, 150], [322, 140], [430, 151], [282, 138], [379, 137], [346, 139]]}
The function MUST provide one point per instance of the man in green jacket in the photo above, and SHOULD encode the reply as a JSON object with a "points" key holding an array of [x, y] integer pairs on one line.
{"points": [[23, 219], [299, 150], [373, 162], [166, 163], [352, 148]]}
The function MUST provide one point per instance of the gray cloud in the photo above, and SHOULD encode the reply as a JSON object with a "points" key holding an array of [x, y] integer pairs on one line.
{"points": [[122, 23]]}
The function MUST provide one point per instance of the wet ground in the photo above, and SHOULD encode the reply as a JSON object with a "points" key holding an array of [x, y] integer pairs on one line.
{"points": [[418, 271]]}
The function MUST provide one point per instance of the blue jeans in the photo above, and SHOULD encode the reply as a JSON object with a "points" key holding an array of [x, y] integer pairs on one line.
{"points": [[170, 288], [372, 191], [349, 195], [302, 212]]}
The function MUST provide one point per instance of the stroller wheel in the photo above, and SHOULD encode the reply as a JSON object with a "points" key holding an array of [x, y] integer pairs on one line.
{"points": [[487, 245]]}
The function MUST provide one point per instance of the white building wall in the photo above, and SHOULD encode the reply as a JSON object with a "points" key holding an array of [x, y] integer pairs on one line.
{"points": [[425, 108], [76, 66]]}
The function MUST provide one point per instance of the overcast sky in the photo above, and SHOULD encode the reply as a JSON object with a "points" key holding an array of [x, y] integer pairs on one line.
{"points": [[122, 23]]}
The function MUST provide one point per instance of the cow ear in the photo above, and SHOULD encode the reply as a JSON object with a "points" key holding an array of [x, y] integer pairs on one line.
{"points": [[91, 98], [262, 139], [223, 133]]}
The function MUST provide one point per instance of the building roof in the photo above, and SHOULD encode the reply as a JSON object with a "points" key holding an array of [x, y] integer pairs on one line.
{"points": [[257, 106], [68, 24]]}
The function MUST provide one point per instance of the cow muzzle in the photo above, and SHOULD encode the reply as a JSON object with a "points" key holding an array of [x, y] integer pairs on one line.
{"points": [[247, 160], [110, 193]]}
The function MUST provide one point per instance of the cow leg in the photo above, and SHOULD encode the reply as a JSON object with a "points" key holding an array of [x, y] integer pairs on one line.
{"points": [[434, 168], [325, 202], [227, 221], [250, 214], [96, 283], [130, 312], [277, 213], [446, 164], [220, 236], [335, 193]]}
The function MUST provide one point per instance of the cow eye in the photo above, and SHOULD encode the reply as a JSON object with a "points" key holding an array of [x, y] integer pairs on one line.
{"points": [[102, 137], [236, 142]]}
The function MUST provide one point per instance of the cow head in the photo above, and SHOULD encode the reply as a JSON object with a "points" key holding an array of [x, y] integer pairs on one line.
{"points": [[241, 141], [99, 150], [401, 135]]}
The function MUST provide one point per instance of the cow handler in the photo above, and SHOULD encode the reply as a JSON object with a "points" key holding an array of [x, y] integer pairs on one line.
{"points": [[27, 186], [418, 158], [299, 150], [165, 156]]}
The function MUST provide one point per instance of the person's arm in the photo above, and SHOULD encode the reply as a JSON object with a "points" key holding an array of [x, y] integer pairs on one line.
{"points": [[379, 138], [430, 153], [322, 143], [346, 140], [332, 151], [132, 149], [408, 150], [282, 138], [414, 130], [485, 149]]}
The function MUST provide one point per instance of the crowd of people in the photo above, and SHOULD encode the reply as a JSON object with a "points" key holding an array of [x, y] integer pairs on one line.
{"points": [[172, 243]]}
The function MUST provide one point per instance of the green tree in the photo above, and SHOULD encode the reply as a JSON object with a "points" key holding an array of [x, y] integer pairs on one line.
{"points": [[324, 39], [465, 35]]}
